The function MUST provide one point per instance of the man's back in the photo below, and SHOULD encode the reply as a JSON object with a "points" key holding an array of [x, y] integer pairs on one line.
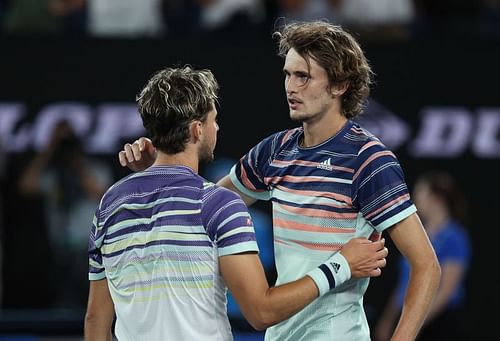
{"points": [[158, 235]]}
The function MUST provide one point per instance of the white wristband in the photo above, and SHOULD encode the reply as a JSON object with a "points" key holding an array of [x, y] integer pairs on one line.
{"points": [[331, 273]]}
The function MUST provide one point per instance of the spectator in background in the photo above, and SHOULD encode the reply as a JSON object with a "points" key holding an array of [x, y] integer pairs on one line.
{"points": [[309, 10], [381, 19], [371, 19], [441, 205], [71, 184], [30, 16], [228, 15], [73, 15], [44, 17], [184, 17], [125, 18]]}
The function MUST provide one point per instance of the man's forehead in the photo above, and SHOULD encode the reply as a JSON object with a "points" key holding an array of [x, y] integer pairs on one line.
{"points": [[296, 62], [295, 59]]}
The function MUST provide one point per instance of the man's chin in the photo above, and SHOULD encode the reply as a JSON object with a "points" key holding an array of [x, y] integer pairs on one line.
{"points": [[297, 117], [207, 158]]}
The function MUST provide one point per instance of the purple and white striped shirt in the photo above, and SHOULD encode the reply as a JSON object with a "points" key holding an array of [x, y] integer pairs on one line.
{"points": [[157, 236]]}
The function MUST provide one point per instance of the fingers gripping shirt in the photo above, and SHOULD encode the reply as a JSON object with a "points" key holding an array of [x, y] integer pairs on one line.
{"points": [[323, 196], [157, 237]]}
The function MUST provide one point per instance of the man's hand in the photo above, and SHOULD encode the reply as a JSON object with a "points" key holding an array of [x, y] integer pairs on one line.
{"points": [[139, 155], [365, 257]]}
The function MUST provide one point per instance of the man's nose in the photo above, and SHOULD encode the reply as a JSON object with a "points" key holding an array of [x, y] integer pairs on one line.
{"points": [[289, 86]]}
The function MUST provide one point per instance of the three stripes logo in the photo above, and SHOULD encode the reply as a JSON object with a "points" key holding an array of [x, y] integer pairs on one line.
{"points": [[335, 266], [326, 165]]}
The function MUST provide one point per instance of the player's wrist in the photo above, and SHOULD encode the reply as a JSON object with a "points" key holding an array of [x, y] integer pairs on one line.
{"points": [[331, 273]]}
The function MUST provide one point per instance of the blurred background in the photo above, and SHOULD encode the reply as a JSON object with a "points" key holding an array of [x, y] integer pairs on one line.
{"points": [[69, 73]]}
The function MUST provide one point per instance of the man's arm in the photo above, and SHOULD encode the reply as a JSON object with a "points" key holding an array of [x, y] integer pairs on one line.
{"points": [[263, 306], [100, 312], [227, 183], [411, 240]]}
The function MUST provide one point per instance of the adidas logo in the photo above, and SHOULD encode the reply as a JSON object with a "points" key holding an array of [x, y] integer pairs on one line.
{"points": [[326, 165], [336, 267]]}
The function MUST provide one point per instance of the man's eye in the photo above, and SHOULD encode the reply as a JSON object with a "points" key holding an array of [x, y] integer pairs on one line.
{"points": [[303, 78]]}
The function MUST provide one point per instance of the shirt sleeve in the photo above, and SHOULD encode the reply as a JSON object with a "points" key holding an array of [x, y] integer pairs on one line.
{"points": [[249, 174], [379, 189], [96, 267], [228, 222]]}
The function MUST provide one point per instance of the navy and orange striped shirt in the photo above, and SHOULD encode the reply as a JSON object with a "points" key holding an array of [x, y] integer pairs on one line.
{"points": [[348, 186]]}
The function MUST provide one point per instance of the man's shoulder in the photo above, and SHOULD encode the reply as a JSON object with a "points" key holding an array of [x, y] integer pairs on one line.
{"points": [[118, 188], [283, 136], [143, 186], [218, 195], [364, 141]]}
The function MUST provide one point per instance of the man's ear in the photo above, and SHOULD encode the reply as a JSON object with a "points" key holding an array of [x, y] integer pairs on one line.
{"points": [[196, 130], [338, 89]]}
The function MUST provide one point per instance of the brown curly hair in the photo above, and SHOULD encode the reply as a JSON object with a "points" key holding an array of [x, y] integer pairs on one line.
{"points": [[171, 100], [337, 52]]}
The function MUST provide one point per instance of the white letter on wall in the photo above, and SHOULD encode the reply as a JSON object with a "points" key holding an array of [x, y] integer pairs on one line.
{"points": [[444, 132]]}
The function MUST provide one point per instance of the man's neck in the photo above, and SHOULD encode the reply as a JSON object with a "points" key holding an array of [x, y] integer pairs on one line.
{"points": [[319, 131], [185, 158]]}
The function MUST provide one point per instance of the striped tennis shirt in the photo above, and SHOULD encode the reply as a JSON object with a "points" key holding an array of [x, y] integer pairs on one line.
{"points": [[156, 237], [348, 186]]}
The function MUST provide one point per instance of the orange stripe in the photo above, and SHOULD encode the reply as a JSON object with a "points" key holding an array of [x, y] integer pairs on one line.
{"points": [[370, 159], [390, 203], [369, 144], [295, 162], [279, 241], [244, 179], [291, 225], [287, 135]]}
